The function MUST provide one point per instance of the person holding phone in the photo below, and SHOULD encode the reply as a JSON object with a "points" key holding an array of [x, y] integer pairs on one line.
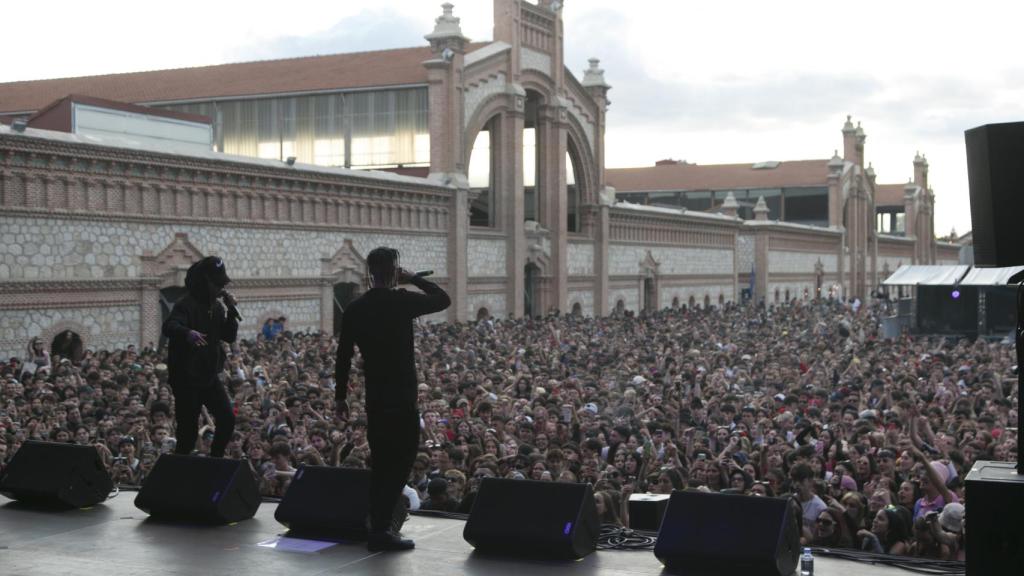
{"points": [[199, 322], [380, 322]]}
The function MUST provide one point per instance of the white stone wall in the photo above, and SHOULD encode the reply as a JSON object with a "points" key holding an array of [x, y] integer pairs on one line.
{"points": [[585, 299], [486, 257], [536, 60], [107, 327], [630, 297], [780, 261], [479, 91], [625, 260], [303, 315], [667, 293], [796, 291], [581, 259], [746, 244], [59, 249], [495, 304]]}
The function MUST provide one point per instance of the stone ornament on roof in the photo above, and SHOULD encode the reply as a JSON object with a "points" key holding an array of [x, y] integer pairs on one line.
{"points": [[594, 76], [848, 126], [761, 209], [446, 25], [836, 163]]}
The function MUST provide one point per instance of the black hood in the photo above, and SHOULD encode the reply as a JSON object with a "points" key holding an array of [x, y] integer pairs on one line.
{"points": [[196, 279]]}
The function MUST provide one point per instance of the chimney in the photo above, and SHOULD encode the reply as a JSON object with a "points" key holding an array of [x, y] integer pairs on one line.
{"points": [[909, 210], [849, 141], [921, 171], [861, 137]]}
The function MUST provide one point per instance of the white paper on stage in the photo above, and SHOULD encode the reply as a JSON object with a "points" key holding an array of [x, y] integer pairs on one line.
{"points": [[287, 544]]}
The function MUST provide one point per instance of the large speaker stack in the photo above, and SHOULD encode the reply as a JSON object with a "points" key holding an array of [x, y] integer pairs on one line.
{"points": [[995, 490], [56, 475]]}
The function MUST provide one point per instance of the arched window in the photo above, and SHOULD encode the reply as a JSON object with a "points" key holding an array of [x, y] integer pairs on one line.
{"points": [[787, 294], [577, 310], [620, 305], [67, 344], [483, 313], [776, 295], [531, 150], [707, 301], [675, 302], [572, 187], [693, 302], [481, 177], [721, 299]]}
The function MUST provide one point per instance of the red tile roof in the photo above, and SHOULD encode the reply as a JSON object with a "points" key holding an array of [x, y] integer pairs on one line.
{"points": [[306, 74], [889, 194], [718, 176]]}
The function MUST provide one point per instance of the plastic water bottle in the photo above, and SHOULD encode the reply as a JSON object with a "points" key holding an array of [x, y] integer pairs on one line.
{"points": [[807, 563]]}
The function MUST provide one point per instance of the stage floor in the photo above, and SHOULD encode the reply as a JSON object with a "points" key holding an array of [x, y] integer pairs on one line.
{"points": [[115, 539]]}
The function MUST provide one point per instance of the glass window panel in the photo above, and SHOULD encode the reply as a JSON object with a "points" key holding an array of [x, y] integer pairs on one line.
{"points": [[573, 193], [807, 206], [481, 210], [529, 157]]}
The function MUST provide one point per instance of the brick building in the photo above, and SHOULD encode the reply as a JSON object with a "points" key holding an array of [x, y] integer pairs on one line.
{"points": [[481, 161]]}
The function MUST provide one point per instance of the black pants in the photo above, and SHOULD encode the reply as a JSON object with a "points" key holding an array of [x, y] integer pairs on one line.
{"points": [[187, 404], [394, 438]]}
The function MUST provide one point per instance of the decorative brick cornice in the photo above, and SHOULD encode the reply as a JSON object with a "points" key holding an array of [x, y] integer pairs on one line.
{"points": [[56, 177]]}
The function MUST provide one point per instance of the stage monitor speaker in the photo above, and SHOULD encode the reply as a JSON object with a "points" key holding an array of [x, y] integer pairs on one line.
{"points": [[708, 533], [551, 520], [995, 504], [199, 489], [647, 510], [995, 174], [331, 503], [56, 475]]}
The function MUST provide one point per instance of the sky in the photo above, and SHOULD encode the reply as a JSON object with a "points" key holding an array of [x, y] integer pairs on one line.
{"points": [[709, 82]]}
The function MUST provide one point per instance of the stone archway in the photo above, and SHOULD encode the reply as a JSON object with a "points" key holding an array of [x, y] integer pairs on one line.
{"points": [[163, 283], [67, 339], [649, 282], [344, 279]]}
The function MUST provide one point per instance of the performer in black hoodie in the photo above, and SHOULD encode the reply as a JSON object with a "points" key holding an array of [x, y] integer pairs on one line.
{"points": [[380, 323], [198, 324]]}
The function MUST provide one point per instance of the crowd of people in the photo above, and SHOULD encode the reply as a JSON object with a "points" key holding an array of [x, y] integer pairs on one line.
{"points": [[873, 437]]}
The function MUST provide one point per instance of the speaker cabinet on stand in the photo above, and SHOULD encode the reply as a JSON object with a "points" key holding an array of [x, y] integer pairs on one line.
{"points": [[995, 490]]}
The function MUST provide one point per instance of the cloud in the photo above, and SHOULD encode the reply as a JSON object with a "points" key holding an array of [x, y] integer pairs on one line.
{"points": [[365, 31]]}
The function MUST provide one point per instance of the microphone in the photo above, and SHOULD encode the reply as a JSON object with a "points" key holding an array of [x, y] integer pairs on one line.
{"points": [[423, 273], [232, 310]]}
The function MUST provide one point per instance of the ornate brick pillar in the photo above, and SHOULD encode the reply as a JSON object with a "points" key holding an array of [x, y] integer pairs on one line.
{"points": [[553, 141], [458, 259], [149, 313]]}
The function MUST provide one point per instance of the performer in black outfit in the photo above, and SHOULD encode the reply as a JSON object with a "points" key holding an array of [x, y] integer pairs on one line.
{"points": [[380, 323], [195, 329]]}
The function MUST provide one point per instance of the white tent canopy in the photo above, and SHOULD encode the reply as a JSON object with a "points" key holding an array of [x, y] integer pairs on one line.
{"points": [[990, 276], [915, 275]]}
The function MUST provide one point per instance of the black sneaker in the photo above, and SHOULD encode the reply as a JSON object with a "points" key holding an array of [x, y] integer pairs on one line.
{"points": [[386, 542]]}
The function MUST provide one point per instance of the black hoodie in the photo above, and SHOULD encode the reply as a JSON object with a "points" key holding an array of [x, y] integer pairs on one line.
{"points": [[187, 364]]}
